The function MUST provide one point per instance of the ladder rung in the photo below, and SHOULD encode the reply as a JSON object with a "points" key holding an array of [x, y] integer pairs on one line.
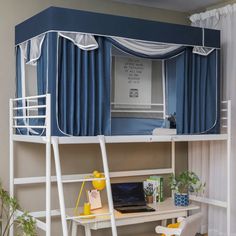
{"points": [[87, 216], [81, 180], [29, 126], [30, 107], [28, 117], [29, 97]]}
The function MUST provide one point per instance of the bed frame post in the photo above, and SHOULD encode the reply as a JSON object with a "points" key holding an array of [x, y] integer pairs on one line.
{"points": [[11, 145], [173, 160], [108, 184], [60, 185], [163, 88], [48, 165], [229, 168]]}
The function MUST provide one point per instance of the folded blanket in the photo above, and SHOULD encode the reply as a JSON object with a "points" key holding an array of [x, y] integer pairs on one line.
{"points": [[163, 131]]}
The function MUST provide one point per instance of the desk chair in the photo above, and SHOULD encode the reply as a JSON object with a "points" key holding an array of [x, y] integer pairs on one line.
{"points": [[188, 226]]}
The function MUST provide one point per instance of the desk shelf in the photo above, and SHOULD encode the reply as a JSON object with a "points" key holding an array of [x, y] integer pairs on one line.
{"points": [[164, 211]]}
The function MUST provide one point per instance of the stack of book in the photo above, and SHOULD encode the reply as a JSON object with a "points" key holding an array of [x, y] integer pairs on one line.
{"points": [[157, 184]]}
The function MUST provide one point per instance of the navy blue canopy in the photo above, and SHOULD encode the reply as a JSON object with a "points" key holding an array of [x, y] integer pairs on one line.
{"points": [[79, 80], [62, 19]]}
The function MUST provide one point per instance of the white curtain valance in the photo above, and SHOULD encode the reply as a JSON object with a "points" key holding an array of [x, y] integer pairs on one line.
{"points": [[83, 41], [152, 48], [146, 48], [31, 49]]}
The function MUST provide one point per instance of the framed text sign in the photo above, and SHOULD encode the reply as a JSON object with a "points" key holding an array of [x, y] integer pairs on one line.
{"points": [[133, 81]]}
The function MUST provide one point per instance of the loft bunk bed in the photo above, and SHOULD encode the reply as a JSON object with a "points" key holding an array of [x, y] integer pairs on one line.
{"points": [[116, 78], [95, 77]]}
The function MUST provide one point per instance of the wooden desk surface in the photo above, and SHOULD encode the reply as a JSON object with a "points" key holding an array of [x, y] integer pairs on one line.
{"points": [[164, 210]]}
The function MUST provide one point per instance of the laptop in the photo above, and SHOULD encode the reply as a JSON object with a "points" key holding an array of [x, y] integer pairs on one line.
{"points": [[129, 197]]}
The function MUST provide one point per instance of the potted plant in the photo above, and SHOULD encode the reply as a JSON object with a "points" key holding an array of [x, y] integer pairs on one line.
{"points": [[25, 225], [183, 184], [148, 190]]}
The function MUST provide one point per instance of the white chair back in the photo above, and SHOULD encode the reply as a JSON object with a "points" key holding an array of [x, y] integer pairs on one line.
{"points": [[191, 225]]}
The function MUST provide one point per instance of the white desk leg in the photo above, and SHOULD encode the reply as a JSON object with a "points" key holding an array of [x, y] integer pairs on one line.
{"points": [[164, 223], [87, 230], [74, 229]]}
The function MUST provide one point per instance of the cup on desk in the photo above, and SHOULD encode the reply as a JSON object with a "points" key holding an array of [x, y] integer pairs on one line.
{"points": [[87, 208]]}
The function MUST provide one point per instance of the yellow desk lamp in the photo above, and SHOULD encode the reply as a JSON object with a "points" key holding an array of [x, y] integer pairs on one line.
{"points": [[97, 184]]}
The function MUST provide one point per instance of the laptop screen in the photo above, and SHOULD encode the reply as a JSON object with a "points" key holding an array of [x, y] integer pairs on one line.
{"points": [[127, 194]]}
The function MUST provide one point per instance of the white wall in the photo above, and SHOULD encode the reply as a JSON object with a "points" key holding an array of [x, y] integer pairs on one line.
{"points": [[29, 157]]}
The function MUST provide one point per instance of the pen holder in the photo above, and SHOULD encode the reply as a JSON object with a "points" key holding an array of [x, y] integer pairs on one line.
{"points": [[87, 208]]}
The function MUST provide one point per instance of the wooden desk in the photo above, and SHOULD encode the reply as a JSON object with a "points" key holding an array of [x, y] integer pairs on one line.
{"points": [[164, 211]]}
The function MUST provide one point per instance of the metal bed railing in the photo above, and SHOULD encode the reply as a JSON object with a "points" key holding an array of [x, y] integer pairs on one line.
{"points": [[24, 110], [225, 116]]}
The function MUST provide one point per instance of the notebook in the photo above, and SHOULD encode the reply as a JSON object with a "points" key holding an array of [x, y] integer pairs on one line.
{"points": [[129, 197]]}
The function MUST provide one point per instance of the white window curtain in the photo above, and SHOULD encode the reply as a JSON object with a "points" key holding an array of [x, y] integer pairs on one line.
{"points": [[213, 155], [83, 41], [146, 48]]}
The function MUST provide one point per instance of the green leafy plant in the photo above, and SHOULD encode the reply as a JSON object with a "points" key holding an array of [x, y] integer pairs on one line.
{"points": [[186, 182], [25, 225], [148, 190]]}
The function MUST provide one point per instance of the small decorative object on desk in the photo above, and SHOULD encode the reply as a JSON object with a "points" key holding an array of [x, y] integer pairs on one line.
{"points": [[172, 119], [183, 184], [149, 189], [157, 182], [94, 199], [87, 208]]}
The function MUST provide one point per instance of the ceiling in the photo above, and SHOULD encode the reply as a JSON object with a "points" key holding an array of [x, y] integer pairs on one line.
{"points": [[176, 5]]}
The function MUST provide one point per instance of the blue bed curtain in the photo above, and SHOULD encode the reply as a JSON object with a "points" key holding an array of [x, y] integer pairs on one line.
{"points": [[18, 72], [193, 88], [83, 77], [170, 85], [197, 93], [19, 88], [84, 88]]}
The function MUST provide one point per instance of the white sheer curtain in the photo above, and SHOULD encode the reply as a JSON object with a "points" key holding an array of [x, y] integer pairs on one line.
{"points": [[213, 155], [85, 42], [146, 48], [35, 46]]}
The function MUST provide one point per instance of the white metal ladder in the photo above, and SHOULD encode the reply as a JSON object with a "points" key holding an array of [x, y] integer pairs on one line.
{"points": [[64, 218]]}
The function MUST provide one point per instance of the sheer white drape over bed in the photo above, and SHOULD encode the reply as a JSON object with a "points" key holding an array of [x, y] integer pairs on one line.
{"points": [[213, 154]]}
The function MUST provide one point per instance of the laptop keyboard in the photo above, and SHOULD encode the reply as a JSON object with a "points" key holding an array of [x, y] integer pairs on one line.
{"points": [[134, 209]]}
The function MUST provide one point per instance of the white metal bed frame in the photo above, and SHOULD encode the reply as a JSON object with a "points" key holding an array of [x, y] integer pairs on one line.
{"points": [[53, 141]]}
